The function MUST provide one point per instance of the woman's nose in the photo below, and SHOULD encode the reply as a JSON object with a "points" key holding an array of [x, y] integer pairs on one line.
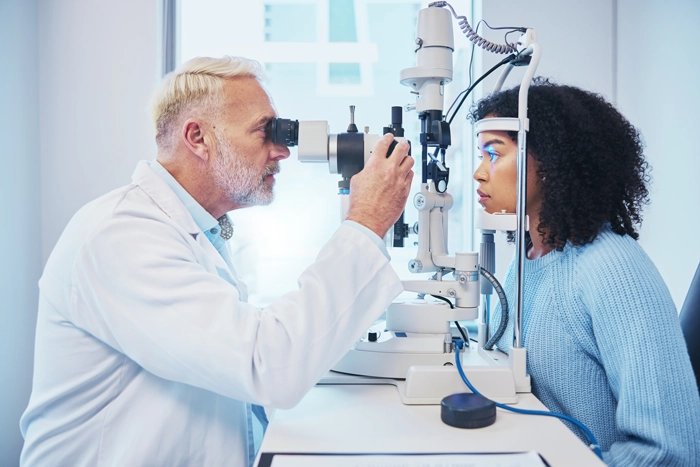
{"points": [[480, 174]]}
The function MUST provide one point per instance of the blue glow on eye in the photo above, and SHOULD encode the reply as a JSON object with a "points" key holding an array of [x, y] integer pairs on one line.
{"points": [[492, 153]]}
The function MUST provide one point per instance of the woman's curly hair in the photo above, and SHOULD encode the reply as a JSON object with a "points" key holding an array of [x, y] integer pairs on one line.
{"points": [[590, 161]]}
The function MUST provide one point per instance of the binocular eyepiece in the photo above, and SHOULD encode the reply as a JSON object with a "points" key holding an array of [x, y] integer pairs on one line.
{"points": [[284, 131], [344, 153]]}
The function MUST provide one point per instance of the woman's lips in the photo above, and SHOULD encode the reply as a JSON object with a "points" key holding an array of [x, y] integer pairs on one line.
{"points": [[482, 196]]}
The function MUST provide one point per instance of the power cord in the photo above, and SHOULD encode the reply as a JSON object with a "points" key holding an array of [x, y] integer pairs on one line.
{"points": [[459, 327], [481, 78], [595, 447]]}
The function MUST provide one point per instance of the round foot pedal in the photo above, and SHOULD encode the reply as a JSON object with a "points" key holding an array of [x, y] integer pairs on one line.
{"points": [[467, 410]]}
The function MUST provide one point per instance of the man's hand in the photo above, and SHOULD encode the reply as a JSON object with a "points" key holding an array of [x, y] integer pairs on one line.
{"points": [[378, 193]]}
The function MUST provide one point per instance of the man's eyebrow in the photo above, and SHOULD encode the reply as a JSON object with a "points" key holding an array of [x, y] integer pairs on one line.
{"points": [[262, 120], [491, 142]]}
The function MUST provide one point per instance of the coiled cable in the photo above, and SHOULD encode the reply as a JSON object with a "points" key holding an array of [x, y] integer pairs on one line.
{"points": [[475, 38]]}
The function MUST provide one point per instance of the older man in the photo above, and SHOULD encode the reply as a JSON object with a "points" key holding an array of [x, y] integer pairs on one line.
{"points": [[147, 351]]}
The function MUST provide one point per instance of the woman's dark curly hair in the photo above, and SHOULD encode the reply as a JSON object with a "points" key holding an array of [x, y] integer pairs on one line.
{"points": [[590, 161]]}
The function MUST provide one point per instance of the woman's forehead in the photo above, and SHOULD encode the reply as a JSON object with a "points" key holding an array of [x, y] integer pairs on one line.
{"points": [[493, 138]]}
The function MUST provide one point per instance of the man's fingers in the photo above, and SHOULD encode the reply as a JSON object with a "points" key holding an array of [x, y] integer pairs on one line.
{"points": [[407, 161], [400, 152], [381, 147], [409, 178]]}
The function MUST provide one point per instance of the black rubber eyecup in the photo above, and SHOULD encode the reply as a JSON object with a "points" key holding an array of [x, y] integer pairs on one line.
{"points": [[467, 410]]}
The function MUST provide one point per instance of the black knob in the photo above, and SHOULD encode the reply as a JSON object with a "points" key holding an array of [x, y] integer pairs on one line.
{"points": [[352, 128], [372, 336]]}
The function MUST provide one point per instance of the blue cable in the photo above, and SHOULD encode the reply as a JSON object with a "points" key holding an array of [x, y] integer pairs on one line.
{"points": [[594, 442]]}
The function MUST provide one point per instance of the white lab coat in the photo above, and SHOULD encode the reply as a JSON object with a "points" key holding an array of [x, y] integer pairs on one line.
{"points": [[145, 353]]}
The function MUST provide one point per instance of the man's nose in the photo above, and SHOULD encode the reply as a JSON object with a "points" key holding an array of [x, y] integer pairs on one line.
{"points": [[280, 151]]}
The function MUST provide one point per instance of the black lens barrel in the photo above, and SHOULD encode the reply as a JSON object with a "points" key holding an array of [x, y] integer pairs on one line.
{"points": [[284, 131]]}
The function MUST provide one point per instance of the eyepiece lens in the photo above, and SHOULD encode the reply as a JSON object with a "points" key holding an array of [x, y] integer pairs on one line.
{"points": [[284, 131]]}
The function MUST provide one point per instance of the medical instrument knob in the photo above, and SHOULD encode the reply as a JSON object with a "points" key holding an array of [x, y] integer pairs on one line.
{"points": [[352, 128], [415, 266]]}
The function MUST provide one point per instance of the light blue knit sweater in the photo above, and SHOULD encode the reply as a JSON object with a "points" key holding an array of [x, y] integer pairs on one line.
{"points": [[604, 346]]}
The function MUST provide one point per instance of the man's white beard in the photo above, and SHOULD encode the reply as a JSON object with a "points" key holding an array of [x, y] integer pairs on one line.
{"points": [[241, 183]]}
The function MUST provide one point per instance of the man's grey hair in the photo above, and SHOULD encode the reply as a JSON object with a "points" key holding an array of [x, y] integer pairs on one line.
{"points": [[196, 85]]}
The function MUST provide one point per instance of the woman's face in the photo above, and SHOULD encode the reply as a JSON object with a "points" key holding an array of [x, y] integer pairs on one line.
{"points": [[497, 174]]}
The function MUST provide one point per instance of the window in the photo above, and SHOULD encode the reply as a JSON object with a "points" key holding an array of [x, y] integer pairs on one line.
{"points": [[322, 56]]}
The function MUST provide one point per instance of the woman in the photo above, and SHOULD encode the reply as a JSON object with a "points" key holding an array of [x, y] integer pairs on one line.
{"points": [[602, 332]]}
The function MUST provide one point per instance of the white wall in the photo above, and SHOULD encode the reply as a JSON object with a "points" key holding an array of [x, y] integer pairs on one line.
{"points": [[75, 79], [659, 91], [99, 64], [576, 39], [20, 213]]}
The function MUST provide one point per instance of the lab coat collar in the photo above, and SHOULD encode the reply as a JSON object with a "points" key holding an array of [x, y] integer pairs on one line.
{"points": [[158, 190], [166, 199]]}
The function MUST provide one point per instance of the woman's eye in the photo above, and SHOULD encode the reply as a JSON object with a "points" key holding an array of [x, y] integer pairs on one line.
{"points": [[493, 156]]}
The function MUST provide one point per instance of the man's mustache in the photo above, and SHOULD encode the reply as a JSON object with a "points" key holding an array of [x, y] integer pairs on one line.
{"points": [[271, 169]]}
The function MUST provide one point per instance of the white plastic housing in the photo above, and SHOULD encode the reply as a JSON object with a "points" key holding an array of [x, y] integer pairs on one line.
{"points": [[435, 44], [370, 141], [421, 316], [497, 124], [313, 141], [344, 206], [506, 222]]}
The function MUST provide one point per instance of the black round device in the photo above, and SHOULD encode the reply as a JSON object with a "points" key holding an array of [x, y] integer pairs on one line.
{"points": [[467, 410], [284, 131]]}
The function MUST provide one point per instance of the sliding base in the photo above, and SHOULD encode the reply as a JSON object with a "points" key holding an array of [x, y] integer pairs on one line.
{"points": [[427, 378]]}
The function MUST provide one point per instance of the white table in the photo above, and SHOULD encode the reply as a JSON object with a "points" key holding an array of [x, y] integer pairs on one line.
{"points": [[372, 419]]}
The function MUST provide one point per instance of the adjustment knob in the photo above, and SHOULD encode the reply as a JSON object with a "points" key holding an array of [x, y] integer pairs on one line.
{"points": [[352, 128], [372, 336]]}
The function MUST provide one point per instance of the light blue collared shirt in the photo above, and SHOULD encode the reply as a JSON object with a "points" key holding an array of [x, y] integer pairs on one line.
{"points": [[205, 221]]}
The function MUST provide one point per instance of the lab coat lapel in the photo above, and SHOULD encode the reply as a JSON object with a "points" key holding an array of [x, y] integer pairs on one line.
{"points": [[242, 288], [168, 201], [223, 268]]}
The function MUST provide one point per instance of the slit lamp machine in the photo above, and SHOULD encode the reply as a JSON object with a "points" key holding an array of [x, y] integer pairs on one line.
{"points": [[414, 347]]}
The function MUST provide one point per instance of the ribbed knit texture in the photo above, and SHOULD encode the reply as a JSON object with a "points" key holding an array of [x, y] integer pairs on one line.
{"points": [[604, 346]]}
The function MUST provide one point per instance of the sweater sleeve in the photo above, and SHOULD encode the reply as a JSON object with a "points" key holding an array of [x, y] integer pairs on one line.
{"points": [[642, 349]]}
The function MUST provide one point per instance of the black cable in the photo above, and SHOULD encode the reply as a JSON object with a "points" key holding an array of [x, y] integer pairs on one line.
{"points": [[481, 78], [464, 336], [514, 28], [505, 37], [446, 300], [471, 62], [471, 56]]}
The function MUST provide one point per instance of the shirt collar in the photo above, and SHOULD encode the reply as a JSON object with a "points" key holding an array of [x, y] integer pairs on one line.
{"points": [[205, 221]]}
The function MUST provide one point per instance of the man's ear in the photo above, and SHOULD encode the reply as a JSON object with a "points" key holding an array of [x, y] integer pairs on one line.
{"points": [[193, 137]]}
